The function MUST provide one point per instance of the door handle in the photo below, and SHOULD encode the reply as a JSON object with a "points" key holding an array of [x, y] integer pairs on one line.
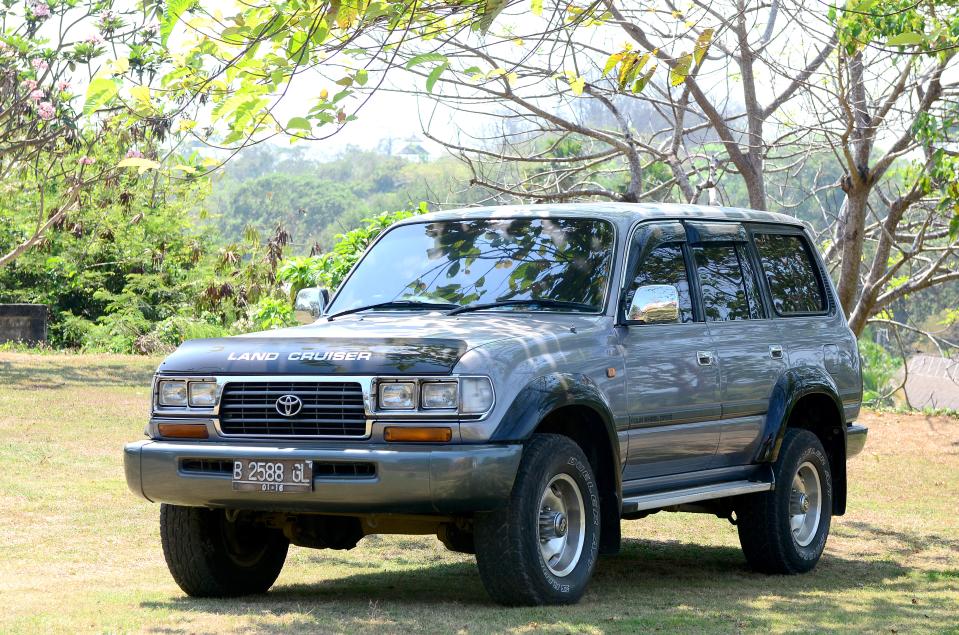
{"points": [[776, 351], [705, 358]]}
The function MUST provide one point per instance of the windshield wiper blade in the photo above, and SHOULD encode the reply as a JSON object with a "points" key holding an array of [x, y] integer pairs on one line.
{"points": [[556, 304], [395, 304]]}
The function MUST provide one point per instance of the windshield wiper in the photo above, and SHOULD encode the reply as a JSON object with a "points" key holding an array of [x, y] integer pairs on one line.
{"points": [[395, 304], [554, 304]]}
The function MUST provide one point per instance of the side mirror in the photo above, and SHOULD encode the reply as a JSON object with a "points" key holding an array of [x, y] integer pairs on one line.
{"points": [[310, 304], [654, 304]]}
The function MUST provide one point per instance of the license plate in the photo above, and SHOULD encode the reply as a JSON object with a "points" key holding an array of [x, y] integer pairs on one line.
{"points": [[282, 476]]}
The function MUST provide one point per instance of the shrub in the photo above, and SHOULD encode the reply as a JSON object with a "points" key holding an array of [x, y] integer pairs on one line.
{"points": [[879, 368]]}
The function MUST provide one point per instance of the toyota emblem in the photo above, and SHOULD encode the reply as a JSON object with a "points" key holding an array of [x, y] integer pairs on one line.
{"points": [[289, 405]]}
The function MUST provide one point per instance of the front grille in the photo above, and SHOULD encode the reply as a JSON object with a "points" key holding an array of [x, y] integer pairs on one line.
{"points": [[330, 409]]}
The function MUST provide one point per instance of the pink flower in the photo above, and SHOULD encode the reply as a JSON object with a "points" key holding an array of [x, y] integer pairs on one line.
{"points": [[40, 10], [36, 95], [87, 160], [30, 84], [39, 65], [63, 86], [94, 39], [46, 110], [134, 154]]}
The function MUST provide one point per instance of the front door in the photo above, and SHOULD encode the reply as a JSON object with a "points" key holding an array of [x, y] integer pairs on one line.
{"points": [[671, 376]]}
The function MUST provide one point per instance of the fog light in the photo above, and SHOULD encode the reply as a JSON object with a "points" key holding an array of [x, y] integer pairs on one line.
{"points": [[418, 435], [172, 393], [202, 393]]}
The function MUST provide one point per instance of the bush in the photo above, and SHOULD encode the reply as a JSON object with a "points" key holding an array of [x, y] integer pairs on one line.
{"points": [[879, 368], [329, 269], [167, 334]]}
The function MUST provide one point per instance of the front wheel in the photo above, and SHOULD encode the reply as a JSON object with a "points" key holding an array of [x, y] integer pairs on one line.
{"points": [[785, 530], [211, 555], [541, 548]]}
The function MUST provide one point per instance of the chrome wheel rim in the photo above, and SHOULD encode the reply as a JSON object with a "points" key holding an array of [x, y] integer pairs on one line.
{"points": [[805, 504], [562, 525]]}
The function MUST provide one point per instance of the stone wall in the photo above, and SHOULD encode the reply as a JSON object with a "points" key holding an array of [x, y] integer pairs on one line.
{"points": [[23, 323]]}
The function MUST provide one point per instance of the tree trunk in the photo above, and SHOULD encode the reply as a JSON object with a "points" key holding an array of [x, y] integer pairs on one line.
{"points": [[851, 236]]}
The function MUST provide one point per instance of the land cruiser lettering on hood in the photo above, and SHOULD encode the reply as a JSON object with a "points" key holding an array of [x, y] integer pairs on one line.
{"points": [[335, 356]]}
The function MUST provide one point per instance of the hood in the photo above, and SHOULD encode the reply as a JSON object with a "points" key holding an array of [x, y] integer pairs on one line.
{"points": [[378, 344]]}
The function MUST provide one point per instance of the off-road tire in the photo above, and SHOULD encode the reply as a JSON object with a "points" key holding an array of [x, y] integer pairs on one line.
{"points": [[206, 562], [763, 519], [511, 565]]}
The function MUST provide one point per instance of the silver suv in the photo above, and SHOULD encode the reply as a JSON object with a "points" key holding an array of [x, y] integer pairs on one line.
{"points": [[517, 380]]}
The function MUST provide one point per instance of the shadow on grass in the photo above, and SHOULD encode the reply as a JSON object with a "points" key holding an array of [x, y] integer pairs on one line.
{"points": [[650, 585], [46, 375]]}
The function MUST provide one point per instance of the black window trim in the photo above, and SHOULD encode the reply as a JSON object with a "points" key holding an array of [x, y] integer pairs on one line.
{"points": [[821, 277], [691, 277], [761, 305]]}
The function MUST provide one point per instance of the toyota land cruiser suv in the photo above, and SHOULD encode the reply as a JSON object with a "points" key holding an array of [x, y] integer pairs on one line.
{"points": [[518, 380]]}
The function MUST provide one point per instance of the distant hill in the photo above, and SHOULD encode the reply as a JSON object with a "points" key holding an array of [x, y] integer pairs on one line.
{"points": [[315, 200]]}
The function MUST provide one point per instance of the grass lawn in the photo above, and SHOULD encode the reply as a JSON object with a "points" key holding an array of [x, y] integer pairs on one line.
{"points": [[78, 552]]}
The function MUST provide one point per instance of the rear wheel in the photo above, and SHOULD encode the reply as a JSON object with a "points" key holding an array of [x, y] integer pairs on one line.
{"points": [[541, 548], [785, 530], [210, 555]]}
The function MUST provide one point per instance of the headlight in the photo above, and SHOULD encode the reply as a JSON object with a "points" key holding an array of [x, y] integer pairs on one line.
{"points": [[172, 393], [202, 394], [436, 395], [477, 395], [397, 395]]}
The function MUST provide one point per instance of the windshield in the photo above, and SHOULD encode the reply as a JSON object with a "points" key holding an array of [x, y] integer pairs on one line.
{"points": [[466, 262]]}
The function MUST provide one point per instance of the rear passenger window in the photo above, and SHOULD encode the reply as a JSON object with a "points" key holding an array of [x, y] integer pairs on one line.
{"points": [[723, 284], [665, 265], [793, 280]]}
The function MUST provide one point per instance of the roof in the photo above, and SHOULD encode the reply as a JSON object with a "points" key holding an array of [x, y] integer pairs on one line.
{"points": [[615, 212]]}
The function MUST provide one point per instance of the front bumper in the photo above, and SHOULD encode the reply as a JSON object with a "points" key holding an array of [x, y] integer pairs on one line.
{"points": [[855, 439], [413, 479]]}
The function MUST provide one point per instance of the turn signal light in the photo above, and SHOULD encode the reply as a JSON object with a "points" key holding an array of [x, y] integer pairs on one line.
{"points": [[418, 435], [183, 430]]}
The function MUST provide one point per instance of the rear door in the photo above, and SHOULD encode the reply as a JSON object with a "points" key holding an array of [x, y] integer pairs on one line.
{"points": [[749, 353], [672, 381]]}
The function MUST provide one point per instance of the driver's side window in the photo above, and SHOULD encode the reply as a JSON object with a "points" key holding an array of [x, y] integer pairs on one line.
{"points": [[664, 265]]}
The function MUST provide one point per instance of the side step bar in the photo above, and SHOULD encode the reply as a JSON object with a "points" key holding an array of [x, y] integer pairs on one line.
{"points": [[692, 495]]}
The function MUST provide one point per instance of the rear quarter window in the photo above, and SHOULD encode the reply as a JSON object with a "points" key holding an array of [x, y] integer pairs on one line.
{"points": [[791, 273]]}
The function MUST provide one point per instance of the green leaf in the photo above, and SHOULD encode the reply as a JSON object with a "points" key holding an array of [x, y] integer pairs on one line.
{"points": [[702, 45], [362, 77], [679, 72], [299, 123], [640, 83], [906, 39], [424, 58], [611, 63], [174, 9], [491, 9], [537, 7], [435, 75], [100, 92]]}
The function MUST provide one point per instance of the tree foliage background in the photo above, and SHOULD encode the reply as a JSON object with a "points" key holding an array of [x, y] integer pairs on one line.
{"points": [[136, 137]]}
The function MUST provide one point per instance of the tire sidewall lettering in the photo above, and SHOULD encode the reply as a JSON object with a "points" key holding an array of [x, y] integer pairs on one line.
{"points": [[581, 473]]}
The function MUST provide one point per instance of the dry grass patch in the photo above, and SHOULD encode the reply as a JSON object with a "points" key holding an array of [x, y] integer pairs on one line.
{"points": [[79, 553]]}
